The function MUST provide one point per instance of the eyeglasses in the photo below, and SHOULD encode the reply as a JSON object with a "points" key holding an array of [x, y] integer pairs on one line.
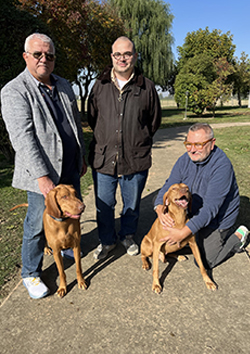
{"points": [[39, 55], [198, 146], [125, 55]]}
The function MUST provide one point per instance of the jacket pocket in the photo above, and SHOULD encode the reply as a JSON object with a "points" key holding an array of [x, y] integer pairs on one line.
{"points": [[140, 159], [97, 155]]}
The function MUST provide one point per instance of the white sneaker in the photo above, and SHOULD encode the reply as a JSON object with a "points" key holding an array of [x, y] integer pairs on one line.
{"points": [[243, 231], [36, 288], [130, 245], [69, 254]]}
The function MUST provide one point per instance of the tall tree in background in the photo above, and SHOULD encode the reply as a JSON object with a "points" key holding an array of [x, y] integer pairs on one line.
{"points": [[205, 62], [84, 30], [241, 77], [16, 25], [148, 23]]}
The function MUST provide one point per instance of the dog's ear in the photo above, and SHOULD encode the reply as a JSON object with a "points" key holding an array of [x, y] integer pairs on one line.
{"points": [[190, 202], [51, 204], [165, 202]]}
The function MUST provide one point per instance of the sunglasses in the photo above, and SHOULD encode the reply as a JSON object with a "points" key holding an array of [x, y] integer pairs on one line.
{"points": [[39, 55]]}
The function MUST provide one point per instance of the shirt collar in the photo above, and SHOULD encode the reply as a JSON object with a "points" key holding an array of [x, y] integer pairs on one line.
{"points": [[114, 79]]}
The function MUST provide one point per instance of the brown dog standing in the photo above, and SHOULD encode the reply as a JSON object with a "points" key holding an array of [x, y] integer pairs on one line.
{"points": [[175, 202], [62, 230]]}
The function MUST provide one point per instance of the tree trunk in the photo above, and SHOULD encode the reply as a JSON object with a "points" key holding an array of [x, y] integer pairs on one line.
{"points": [[239, 98]]}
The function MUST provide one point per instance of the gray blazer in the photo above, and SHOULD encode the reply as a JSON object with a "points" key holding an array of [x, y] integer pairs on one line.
{"points": [[33, 133]]}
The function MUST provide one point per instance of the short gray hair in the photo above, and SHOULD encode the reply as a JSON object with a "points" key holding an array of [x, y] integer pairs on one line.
{"points": [[204, 126], [41, 36]]}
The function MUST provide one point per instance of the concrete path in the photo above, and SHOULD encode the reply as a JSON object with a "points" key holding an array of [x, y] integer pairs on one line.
{"points": [[118, 313]]}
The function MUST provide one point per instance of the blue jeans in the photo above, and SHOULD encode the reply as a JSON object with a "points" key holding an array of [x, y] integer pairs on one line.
{"points": [[105, 190], [33, 235]]}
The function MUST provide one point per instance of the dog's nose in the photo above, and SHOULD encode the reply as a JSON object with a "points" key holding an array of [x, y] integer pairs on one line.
{"points": [[82, 207]]}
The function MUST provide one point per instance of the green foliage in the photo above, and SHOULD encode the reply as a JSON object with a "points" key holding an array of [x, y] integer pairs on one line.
{"points": [[148, 23], [16, 25], [19, 24], [83, 32], [215, 44], [241, 77], [204, 66]]}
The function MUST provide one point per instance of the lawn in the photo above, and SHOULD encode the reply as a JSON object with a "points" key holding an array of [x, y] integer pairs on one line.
{"points": [[235, 141]]}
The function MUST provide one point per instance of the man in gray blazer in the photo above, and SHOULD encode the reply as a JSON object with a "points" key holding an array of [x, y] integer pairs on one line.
{"points": [[42, 119]]}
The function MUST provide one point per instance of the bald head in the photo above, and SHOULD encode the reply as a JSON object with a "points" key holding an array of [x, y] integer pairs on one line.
{"points": [[123, 39], [123, 58]]}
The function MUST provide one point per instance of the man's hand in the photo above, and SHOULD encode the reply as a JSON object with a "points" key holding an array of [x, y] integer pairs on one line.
{"points": [[84, 167], [165, 219], [45, 185], [176, 235]]}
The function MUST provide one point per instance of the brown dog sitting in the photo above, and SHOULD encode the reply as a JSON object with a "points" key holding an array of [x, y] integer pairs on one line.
{"points": [[62, 230], [175, 202]]}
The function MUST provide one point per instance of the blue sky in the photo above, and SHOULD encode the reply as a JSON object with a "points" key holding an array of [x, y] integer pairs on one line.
{"points": [[226, 15]]}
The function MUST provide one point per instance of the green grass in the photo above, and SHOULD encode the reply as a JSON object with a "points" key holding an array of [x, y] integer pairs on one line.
{"points": [[172, 117], [235, 141]]}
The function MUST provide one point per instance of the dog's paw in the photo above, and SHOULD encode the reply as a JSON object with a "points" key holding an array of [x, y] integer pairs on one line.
{"points": [[162, 257], [47, 251], [82, 285], [146, 265], [157, 288], [182, 258], [211, 285], [61, 292]]}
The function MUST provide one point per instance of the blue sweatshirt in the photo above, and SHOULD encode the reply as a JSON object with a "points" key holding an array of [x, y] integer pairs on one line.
{"points": [[215, 193]]}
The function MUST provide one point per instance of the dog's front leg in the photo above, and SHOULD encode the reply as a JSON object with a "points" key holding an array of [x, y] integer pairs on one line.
{"points": [[80, 280], [156, 287], [62, 290], [196, 252]]}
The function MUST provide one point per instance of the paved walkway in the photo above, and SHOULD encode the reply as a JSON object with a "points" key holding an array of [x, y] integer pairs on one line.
{"points": [[118, 313]]}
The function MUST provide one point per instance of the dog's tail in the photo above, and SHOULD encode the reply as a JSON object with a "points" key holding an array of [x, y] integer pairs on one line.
{"points": [[19, 205]]}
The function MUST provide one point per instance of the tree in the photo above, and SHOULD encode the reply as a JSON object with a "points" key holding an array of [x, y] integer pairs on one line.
{"points": [[241, 77], [195, 78], [84, 31], [204, 65], [148, 23], [103, 26], [19, 24], [215, 43]]}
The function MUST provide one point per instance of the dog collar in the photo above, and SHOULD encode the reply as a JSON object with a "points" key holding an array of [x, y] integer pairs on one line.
{"points": [[58, 219]]}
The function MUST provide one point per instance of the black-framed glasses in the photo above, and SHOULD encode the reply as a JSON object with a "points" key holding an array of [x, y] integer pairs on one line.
{"points": [[125, 55], [39, 55], [198, 145]]}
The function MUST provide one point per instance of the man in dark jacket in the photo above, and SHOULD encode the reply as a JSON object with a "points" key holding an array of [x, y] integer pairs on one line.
{"points": [[209, 174], [124, 113]]}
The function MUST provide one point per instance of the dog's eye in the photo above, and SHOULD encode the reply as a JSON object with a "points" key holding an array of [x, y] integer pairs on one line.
{"points": [[64, 197]]}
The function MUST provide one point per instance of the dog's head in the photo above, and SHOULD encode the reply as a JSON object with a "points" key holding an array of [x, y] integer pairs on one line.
{"points": [[177, 195], [62, 201]]}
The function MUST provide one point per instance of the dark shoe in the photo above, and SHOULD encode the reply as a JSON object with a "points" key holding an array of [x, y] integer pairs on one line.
{"points": [[102, 251]]}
